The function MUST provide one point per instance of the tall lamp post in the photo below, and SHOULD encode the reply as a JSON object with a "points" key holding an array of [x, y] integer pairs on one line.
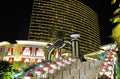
{"points": [[75, 44]]}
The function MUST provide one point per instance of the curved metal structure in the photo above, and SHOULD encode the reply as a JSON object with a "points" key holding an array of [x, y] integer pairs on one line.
{"points": [[58, 44]]}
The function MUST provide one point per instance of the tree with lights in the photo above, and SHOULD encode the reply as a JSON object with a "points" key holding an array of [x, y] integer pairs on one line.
{"points": [[116, 33], [116, 21]]}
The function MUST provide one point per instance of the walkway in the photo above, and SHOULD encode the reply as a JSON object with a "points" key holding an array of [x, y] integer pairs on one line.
{"points": [[82, 70], [89, 69]]}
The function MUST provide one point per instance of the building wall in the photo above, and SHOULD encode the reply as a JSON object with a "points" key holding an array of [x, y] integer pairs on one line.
{"points": [[16, 52], [65, 15], [2, 54]]}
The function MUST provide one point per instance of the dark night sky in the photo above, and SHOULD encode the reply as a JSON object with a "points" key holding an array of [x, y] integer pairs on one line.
{"points": [[15, 19]]}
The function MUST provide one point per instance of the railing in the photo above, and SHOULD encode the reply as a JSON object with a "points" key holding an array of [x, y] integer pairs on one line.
{"points": [[72, 69], [107, 66]]}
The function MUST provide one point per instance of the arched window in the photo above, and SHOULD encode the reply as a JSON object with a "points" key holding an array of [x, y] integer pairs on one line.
{"points": [[39, 52], [27, 51], [10, 51]]}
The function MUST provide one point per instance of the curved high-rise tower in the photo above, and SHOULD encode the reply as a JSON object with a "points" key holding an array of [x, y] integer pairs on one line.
{"points": [[68, 16]]}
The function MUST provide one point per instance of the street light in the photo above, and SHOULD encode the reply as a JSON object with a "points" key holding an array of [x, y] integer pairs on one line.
{"points": [[75, 45]]}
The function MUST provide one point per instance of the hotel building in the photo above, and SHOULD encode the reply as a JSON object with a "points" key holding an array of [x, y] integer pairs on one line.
{"points": [[68, 16]]}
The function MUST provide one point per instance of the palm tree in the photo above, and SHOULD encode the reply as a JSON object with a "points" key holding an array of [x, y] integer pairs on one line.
{"points": [[116, 20], [55, 33], [52, 33], [116, 32], [60, 35]]}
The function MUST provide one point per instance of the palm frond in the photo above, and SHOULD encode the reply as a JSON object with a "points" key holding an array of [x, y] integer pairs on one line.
{"points": [[116, 31], [117, 11], [115, 19], [113, 1]]}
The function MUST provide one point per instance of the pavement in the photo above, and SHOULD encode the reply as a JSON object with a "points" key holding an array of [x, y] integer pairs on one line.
{"points": [[90, 69], [84, 70]]}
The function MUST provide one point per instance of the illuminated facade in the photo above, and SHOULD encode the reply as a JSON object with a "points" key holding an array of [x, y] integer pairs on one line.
{"points": [[68, 16], [25, 51]]}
